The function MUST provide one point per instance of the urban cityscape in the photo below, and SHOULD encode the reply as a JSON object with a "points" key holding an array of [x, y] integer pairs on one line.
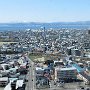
{"points": [[45, 45], [45, 59]]}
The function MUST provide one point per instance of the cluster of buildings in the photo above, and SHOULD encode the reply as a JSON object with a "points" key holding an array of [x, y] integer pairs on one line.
{"points": [[13, 71], [61, 71], [70, 46]]}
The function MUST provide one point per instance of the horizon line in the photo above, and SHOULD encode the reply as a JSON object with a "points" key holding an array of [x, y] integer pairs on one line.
{"points": [[45, 22]]}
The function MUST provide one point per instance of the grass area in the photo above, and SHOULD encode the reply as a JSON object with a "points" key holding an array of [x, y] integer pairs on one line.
{"points": [[39, 57]]}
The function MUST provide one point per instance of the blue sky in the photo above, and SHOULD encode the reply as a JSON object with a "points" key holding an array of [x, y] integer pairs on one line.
{"points": [[44, 10]]}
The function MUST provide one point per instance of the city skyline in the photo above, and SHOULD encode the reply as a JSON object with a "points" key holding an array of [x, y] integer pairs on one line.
{"points": [[44, 11]]}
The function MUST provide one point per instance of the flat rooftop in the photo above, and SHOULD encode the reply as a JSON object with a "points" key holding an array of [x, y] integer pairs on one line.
{"points": [[66, 68]]}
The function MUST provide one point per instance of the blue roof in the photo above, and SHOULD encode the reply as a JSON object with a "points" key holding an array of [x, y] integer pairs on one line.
{"points": [[79, 69]]}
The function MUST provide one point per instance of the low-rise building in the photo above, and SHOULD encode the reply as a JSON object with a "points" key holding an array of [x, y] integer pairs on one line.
{"points": [[66, 73]]}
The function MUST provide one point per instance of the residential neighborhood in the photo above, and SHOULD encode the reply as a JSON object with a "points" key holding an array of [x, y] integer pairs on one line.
{"points": [[45, 59]]}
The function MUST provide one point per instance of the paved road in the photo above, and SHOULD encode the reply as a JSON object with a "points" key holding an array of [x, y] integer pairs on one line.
{"points": [[31, 76]]}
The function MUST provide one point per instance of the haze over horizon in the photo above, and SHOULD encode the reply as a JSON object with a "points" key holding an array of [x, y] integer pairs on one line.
{"points": [[44, 10]]}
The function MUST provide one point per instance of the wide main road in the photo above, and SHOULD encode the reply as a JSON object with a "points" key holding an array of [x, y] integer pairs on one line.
{"points": [[31, 85]]}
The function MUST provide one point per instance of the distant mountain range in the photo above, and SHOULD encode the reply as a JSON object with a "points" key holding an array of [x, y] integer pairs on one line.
{"points": [[38, 25]]}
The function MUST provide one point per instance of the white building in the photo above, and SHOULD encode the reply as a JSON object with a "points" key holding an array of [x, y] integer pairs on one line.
{"points": [[65, 73]]}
